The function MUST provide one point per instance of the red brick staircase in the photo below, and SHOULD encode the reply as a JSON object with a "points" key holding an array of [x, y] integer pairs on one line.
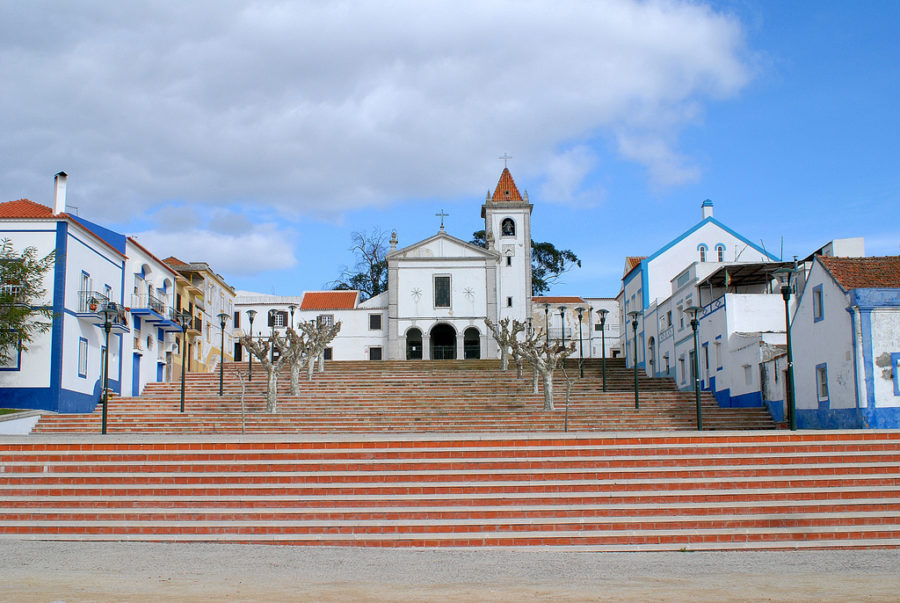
{"points": [[624, 492], [441, 396]]}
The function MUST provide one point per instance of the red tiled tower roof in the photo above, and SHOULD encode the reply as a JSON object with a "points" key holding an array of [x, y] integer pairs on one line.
{"points": [[329, 300], [506, 189], [25, 208], [864, 273]]}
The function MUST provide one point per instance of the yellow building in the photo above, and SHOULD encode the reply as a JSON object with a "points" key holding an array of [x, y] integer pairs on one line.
{"points": [[206, 297]]}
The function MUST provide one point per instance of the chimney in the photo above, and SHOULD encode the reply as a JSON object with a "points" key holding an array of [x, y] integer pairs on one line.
{"points": [[59, 193], [707, 208]]}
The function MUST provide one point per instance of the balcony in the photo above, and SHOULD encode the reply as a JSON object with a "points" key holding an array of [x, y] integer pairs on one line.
{"points": [[11, 295], [90, 305], [154, 310]]}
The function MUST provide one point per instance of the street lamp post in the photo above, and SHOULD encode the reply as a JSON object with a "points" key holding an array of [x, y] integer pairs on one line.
{"points": [[251, 314], [634, 325], [603, 312], [580, 343], [562, 321], [222, 318], [292, 307], [109, 311], [547, 324], [784, 276], [184, 319], [695, 322]]}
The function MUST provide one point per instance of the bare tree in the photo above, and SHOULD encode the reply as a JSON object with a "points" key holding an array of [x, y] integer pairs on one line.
{"points": [[504, 333], [544, 359], [262, 348], [318, 337], [369, 274], [300, 351], [517, 350]]}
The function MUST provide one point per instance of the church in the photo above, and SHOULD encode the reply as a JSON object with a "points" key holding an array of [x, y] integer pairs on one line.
{"points": [[440, 290]]}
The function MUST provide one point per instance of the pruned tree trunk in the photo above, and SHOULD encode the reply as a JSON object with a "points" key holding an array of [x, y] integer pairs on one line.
{"points": [[271, 389], [295, 378], [548, 389], [534, 380]]}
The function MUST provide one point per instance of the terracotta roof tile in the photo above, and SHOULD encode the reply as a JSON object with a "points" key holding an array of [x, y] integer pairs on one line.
{"points": [[25, 208], [864, 273], [632, 262], [557, 300], [506, 189], [329, 300]]}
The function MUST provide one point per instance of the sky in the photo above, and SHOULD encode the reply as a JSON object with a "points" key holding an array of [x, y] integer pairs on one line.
{"points": [[259, 136]]}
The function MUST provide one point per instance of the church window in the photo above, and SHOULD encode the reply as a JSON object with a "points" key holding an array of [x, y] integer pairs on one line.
{"points": [[375, 353], [508, 228], [327, 354], [509, 260], [720, 253], [441, 291], [702, 249], [374, 322], [509, 302]]}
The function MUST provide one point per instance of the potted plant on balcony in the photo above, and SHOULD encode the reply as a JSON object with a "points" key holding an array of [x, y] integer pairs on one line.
{"points": [[92, 304]]}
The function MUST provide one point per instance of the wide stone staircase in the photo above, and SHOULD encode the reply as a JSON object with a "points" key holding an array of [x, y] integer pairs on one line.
{"points": [[411, 396], [606, 492]]}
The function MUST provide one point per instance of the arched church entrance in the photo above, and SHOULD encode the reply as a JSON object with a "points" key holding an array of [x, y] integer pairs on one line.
{"points": [[443, 342], [414, 344], [471, 343]]}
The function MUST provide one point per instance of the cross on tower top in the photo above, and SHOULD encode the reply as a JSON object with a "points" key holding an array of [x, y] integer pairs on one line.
{"points": [[505, 157], [442, 215]]}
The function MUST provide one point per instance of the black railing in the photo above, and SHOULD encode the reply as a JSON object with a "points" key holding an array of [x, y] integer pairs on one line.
{"points": [[91, 301], [149, 301], [443, 352]]}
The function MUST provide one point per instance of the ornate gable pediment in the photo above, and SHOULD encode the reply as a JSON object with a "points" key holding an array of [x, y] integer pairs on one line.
{"points": [[442, 245]]}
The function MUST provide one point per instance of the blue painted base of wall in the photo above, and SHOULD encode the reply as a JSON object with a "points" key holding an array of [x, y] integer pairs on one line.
{"points": [[848, 418], [776, 409], [64, 401]]}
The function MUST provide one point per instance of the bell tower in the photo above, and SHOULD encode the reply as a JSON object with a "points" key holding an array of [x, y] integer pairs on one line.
{"points": [[507, 230]]}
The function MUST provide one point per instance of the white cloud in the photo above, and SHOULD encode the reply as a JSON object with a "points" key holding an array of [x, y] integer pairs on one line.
{"points": [[325, 106], [263, 249]]}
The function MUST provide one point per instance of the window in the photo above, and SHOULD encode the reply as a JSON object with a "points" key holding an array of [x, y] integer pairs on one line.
{"points": [[822, 381], [374, 322], [818, 308], [327, 354], [325, 320], [508, 228], [598, 327], [681, 369], [702, 249], [82, 357], [895, 368], [280, 319], [720, 253], [680, 317], [441, 291], [509, 260], [374, 353], [236, 320], [509, 302], [669, 318]]}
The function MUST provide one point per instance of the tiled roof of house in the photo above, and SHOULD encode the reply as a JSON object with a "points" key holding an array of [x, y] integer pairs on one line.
{"points": [[506, 189], [864, 273], [632, 262], [329, 300], [557, 300], [25, 208]]}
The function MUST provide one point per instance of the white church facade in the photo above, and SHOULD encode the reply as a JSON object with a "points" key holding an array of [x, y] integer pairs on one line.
{"points": [[440, 290]]}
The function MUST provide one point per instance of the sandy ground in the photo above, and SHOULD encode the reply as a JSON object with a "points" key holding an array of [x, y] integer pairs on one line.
{"points": [[43, 571]]}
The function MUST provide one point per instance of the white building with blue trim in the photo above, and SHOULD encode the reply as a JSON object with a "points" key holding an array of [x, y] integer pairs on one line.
{"points": [[846, 344], [63, 369], [667, 273]]}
